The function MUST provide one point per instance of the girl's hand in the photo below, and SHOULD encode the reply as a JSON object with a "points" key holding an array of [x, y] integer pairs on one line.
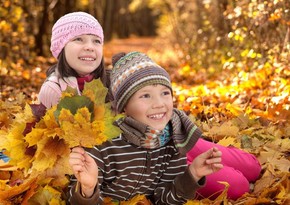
{"points": [[206, 163], [85, 170]]}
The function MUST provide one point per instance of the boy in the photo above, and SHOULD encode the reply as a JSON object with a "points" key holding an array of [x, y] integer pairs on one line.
{"points": [[149, 157]]}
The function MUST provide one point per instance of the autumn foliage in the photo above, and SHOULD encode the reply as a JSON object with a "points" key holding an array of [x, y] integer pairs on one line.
{"points": [[248, 110], [229, 64], [38, 142]]}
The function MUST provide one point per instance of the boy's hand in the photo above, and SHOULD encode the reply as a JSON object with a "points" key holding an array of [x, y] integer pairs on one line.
{"points": [[85, 170], [206, 163]]}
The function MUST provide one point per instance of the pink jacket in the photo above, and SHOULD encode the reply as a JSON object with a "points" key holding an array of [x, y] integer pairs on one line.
{"points": [[51, 90]]}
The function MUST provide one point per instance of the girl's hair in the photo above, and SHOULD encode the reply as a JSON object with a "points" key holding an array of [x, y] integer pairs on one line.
{"points": [[65, 70]]}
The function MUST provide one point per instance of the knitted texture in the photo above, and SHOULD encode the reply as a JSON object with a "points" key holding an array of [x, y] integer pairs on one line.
{"points": [[70, 26], [133, 72], [184, 133]]}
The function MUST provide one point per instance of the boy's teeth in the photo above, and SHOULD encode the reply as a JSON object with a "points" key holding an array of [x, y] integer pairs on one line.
{"points": [[159, 116]]}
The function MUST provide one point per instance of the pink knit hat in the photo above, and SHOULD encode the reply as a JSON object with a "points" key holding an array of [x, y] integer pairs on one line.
{"points": [[72, 25]]}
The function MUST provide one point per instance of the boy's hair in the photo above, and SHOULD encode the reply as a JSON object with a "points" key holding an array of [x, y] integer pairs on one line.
{"points": [[130, 73], [71, 25]]}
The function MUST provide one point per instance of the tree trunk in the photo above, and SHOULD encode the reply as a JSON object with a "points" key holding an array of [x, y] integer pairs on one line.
{"points": [[108, 18], [42, 30]]}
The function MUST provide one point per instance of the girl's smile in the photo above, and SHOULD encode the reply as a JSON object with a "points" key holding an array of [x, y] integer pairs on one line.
{"points": [[84, 53]]}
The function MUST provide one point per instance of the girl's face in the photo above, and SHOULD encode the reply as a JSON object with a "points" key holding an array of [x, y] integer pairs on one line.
{"points": [[151, 105], [84, 53]]}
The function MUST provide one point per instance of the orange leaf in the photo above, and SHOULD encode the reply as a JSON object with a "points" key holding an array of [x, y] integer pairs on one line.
{"points": [[16, 190]]}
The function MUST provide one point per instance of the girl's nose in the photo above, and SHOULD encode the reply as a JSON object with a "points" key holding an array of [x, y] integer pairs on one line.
{"points": [[89, 46]]}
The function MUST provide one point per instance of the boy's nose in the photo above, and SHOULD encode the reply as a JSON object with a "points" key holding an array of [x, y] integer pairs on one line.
{"points": [[158, 102]]}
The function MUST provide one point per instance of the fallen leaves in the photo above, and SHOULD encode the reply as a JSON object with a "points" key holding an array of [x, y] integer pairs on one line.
{"points": [[250, 111], [12, 191], [38, 143]]}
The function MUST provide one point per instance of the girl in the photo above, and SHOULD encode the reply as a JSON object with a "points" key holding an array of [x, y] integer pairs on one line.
{"points": [[149, 157], [240, 169], [77, 42]]}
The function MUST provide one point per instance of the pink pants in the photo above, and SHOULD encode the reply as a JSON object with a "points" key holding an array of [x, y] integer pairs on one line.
{"points": [[240, 168]]}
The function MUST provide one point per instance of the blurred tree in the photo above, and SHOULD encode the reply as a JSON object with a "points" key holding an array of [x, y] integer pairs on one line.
{"points": [[16, 37], [215, 34], [34, 19], [211, 34]]}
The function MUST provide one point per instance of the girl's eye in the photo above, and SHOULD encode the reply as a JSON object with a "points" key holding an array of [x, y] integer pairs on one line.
{"points": [[97, 41], [78, 39]]}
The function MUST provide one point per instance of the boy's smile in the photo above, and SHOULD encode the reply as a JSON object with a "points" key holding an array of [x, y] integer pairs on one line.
{"points": [[151, 105], [157, 116]]}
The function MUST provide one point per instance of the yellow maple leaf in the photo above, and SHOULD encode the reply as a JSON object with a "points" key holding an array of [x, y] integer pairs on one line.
{"points": [[226, 129], [4, 119], [47, 153], [69, 92], [77, 129], [96, 91], [48, 120], [9, 109], [24, 117], [34, 136], [223, 196], [58, 173], [65, 115], [47, 195], [138, 199], [229, 141], [14, 146], [234, 109], [99, 112]]}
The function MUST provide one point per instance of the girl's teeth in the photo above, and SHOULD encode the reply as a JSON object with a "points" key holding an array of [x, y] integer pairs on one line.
{"points": [[87, 59]]}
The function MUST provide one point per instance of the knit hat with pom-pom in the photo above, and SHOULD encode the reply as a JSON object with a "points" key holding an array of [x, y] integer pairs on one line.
{"points": [[70, 26], [130, 73]]}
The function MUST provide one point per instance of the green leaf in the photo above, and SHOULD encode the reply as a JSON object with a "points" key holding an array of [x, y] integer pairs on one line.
{"points": [[110, 129], [73, 104], [71, 90], [96, 91]]}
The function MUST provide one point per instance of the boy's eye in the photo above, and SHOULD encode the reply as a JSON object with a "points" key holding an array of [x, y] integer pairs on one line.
{"points": [[166, 93], [145, 96]]}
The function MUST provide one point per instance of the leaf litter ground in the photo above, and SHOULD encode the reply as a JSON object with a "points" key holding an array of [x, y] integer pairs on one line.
{"points": [[249, 110]]}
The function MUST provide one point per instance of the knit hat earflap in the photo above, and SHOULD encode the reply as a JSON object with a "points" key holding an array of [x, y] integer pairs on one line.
{"points": [[70, 26], [130, 73]]}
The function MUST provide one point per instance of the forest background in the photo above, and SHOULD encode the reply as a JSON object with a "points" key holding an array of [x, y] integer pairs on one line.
{"points": [[228, 59]]}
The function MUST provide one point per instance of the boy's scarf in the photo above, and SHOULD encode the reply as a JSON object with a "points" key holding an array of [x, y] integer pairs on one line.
{"points": [[184, 133], [156, 138]]}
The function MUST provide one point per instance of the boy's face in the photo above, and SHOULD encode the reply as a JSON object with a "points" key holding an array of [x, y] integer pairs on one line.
{"points": [[151, 105], [84, 53]]}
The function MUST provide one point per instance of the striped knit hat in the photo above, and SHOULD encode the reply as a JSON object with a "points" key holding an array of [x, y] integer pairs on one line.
{"points": [[130, 73], [72, 25]]}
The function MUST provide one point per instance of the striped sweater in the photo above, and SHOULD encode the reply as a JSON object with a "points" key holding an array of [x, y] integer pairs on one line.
{"points": [[126, 169]]}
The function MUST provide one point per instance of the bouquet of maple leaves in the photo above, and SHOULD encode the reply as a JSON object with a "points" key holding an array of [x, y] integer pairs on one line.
{"points": [[38, 143]]}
